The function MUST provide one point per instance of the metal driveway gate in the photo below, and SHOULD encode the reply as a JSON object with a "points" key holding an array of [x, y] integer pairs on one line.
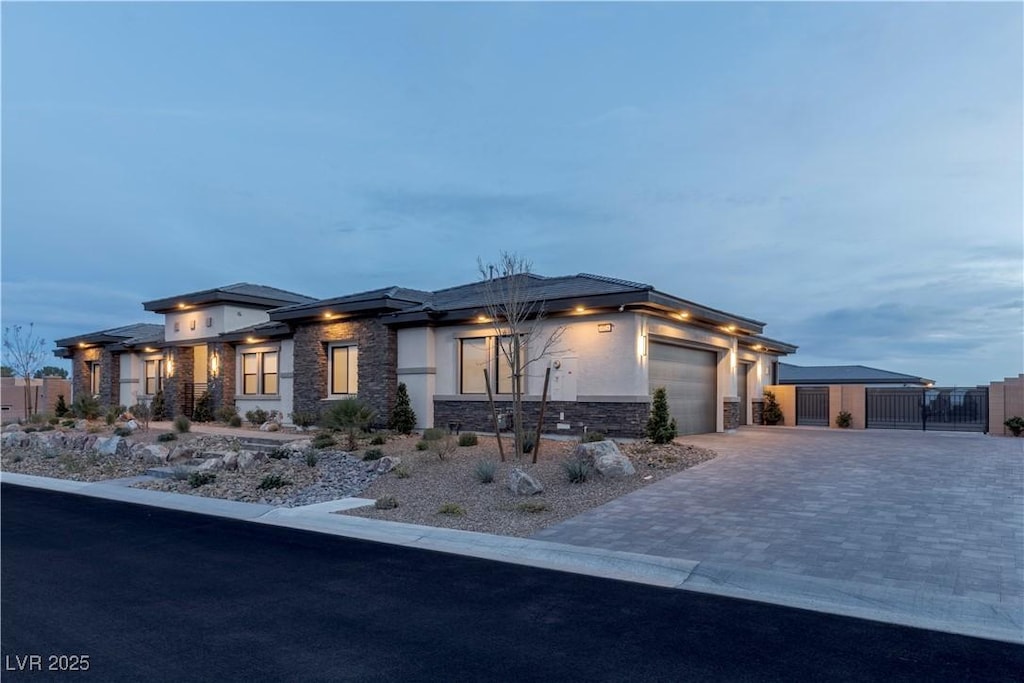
{"points": [[812, 406], [955, 409]]}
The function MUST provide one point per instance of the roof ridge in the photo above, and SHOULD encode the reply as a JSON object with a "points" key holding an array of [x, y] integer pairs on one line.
{"points": [[615, 280]]}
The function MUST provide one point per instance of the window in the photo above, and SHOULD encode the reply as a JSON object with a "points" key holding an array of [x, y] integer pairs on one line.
{"points": [[94, 378], [259, 372], [344, 370], [478, 353], [154, 376]]}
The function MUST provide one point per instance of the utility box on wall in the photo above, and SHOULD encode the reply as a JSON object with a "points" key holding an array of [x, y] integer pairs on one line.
{"points": [[563, 379]]}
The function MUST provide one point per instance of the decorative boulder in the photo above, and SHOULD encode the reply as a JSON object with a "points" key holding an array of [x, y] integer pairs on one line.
{"points": [[81, 424], [230, 461], [13, 427], [153, 453], [247, 460], [107, 445], [181, 453], [522, 483], [211, 465], [298, 446], [385, 464], [132, 425], [606, 458], [16, 439], [270, 427]]}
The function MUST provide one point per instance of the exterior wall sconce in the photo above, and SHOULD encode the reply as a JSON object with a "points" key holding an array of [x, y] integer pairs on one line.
{"points": [[604, 327], [169, 364], [642, 345], [192, 324], [214, 364]]}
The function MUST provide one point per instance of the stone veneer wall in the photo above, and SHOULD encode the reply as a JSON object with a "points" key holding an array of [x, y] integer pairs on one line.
{"points": [[222, 387], [80, 378], [757, 408], [730, 414], [613, 419], [174, 386], [110, 379], [378, 363]]}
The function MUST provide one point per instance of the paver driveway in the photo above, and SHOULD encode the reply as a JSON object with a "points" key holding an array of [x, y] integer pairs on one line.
{"points": [[936, 512]]}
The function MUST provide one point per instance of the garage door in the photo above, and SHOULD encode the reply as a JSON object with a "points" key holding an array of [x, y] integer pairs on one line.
{"points": [[690, 378]]}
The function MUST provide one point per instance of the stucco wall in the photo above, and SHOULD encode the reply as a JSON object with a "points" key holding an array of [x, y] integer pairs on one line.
{"points": [[224, 319], [418, 370], [848, 397], [785, 394], [1005, 400]]}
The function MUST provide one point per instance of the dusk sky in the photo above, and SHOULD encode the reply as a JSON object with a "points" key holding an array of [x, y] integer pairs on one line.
{"points": [[850, 174]]}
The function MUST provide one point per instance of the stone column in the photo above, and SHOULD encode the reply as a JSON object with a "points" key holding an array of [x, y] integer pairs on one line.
{"points": [[222, 386], [730, 414]]}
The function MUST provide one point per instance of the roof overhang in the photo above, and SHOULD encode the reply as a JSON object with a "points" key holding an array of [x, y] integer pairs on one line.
{"points": [[185, 302], [328, 309]]}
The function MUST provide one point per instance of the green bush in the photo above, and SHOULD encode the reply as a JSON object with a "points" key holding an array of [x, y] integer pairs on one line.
{"points": [[485, 471], [385, 503], [226, 413], [54, 421], [197, 479], [279, 454], [1015, 424], [453, 509], [158, 406], [182, 424], [422, 445], [373, 454], [273, 481], [67, 423], [303, 419], [122, 431], [86, 407], [235, 421], [30, 430], [532, 506], [49, 428], [433, 433], [771, 414], [591, 437], [169, 436], [468, 439], [444, 446], [401, 471], [114, 412], [844, 419], [61, 409], [661, 428], [203, 410], [403, 419], [256, 417], [529, 441], [351, 416], [312, 458], [378, 440], [323, 440], [576, 470]]}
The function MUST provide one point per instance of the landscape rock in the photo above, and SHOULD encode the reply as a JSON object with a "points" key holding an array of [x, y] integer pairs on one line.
{"points": [[230, 461], [298, 446], [13, 427], [606, 458], [81, 424], [15, 439], [211, 464], [107, 445], [181, 453], [250, 459], [386, 464], [270, 427], [153, 453], [132, 425], [590, 452], [522, 483]]}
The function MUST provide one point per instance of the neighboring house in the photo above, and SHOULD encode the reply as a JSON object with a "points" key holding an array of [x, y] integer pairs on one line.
{"points": [[44, 393], [252, 346], [822, 375]]}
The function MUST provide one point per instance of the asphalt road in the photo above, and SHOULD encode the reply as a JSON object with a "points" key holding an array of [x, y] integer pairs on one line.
{"points": [[155, 595]]}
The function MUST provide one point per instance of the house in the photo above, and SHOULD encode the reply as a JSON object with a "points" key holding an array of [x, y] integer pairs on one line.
{"points": [[823, 375], [256, 346]]}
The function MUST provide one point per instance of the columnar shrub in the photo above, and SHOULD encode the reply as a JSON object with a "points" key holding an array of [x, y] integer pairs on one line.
{"points": [[661, 427], [61, 409], [403, 419], [203, 411]]}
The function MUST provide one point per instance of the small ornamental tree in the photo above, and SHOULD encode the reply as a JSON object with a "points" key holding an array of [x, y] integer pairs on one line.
{"points": [[403, 419], [25, 352], [61, 409], [203, 411], [661, 427], [772, 413], [158, 408]]}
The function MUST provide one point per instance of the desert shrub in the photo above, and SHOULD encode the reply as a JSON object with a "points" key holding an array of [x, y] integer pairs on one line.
{"points": [[256, 417], [114, 412], [661, 427], [182, 424], [1015, 424], [197, 479], [844, 419], [273, 481], [403, 419], [385, 503], [453, 509], [53, 421], [304, 419], [433, 433], [279, 454], [18, 458], [422, 445], [402, 471], [203, 410], [576, 470], [225, 413], [235, 421], [92, 429], [591, 437], [529, 441], [142, 413], [350, 416], [159, 406], [61, 409], [312, 458], [86, 407], [485, 471], [46, 428], [532, 506], [30, 430], [36, 418], [378, 440], [169, 436], [122, 431], [181, 473], [67, 423], [468, 439], [373, 454], [323, 440], [444, 446]]}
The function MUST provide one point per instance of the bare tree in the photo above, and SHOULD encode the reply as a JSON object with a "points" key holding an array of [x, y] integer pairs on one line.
{"points": [[517, 314], [25, 353]]}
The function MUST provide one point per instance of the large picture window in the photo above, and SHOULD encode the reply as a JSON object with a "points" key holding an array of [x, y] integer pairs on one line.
{"points": [[344, 371], [154, 376], [478, 353], [259, 373]]}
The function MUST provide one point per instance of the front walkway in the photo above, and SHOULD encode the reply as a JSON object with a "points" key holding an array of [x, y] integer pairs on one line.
{"points": [[924, 515]]}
